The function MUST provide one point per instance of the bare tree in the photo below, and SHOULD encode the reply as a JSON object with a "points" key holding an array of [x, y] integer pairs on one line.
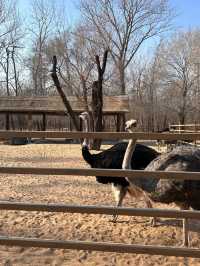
{"points": [[147, 76], [124, 25], [179, 55], [76, 63], [7, 19], [79, 58], [97, 99], [62, 94], [10, 41], [41, 28], [166, 89]]}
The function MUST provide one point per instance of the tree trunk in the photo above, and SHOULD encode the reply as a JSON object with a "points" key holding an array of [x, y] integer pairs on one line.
{"points": [[182, 113], [122, 81], [7, 72], [15, 72], [86, 106], [97, 106], [97, 100], [62, 95], [182, 117]]}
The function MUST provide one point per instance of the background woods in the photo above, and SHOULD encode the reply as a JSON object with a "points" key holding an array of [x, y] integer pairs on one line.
{"points": [[157, 68]]}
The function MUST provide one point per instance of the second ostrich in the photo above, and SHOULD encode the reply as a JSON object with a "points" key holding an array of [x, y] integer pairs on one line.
{"points": [[185, 193], [112, 159]]}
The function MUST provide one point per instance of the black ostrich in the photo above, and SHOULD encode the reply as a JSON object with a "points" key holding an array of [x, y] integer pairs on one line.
{"points": [[112, 159], [185, 193]]}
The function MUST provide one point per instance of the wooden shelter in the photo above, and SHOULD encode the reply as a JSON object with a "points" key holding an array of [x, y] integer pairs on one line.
{"points": [[45, 106]]}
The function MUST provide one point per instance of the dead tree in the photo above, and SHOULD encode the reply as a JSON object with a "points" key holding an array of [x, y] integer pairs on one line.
{"points": [[97, 99], [62, 94]]}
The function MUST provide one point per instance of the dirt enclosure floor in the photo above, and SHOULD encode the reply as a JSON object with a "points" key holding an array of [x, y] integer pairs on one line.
{"points": [[75, 190]]}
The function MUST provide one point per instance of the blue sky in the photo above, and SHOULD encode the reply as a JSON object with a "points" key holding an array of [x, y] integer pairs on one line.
{"points": [[189, 13], [70, 5], [188, 10]]}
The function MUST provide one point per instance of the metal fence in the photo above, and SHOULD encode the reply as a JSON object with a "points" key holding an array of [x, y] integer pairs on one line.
{"points": [[99, 246]]}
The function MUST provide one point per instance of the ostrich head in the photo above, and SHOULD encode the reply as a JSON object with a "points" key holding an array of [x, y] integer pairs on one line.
{"points": [[130, 125], [84, 116]]}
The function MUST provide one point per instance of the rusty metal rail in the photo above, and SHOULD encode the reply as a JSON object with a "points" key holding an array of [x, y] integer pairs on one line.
{"points": [[93, 209], [101, 246], [101, 172], [102, 135]]}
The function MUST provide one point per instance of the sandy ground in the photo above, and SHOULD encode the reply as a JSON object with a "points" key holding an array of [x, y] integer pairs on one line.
{"points": [[76, 190]]}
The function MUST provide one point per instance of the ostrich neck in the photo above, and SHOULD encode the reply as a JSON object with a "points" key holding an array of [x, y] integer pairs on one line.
{"points": [[86, 122], [128, 154]]}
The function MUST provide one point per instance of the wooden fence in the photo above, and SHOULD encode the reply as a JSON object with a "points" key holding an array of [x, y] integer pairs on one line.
{"points": [[101, 135], [99, 246], [184, 128]]}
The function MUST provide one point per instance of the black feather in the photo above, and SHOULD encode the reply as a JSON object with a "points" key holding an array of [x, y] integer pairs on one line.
{"points": [[113, 158], [183, 192]]}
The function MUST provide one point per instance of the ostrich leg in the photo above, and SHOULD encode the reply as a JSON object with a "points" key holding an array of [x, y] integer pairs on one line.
{"points": [[185, 232], [185, 226], [119, 193], [148, 202]]}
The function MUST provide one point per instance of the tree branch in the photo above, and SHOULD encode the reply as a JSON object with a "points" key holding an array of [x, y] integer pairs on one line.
{"points": [[62, 94]]}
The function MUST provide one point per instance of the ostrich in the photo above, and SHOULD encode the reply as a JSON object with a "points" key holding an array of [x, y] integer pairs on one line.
{"points": [[185, 193], [112, 159]]}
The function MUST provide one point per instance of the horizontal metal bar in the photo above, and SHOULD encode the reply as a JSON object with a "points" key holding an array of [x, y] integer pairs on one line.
{"points": [[186, 125], [91, 209], [101, 246], [101, 135], [101, 172]]}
